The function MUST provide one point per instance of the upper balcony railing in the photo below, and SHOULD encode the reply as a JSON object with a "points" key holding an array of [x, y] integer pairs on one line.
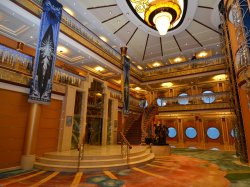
{"points": [[13, 60], [198, 63], [203, 100], [83, 31]]}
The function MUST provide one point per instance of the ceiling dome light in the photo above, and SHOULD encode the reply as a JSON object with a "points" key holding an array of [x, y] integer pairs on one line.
{"points": [[167, 84], [162, 14]]}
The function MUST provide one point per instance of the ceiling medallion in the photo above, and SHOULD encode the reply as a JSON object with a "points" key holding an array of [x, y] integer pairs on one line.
{"points": [[140, 5], [161, 15]]}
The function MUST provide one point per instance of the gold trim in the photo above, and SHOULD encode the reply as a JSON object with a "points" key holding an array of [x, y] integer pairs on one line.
{"points": [[158, 4]]}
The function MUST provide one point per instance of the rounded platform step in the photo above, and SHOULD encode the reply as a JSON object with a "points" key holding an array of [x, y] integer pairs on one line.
{"points": [[95, 158]]}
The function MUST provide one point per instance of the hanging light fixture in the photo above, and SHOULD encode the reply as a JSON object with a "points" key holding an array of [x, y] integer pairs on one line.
{"points": [[162, 14]]}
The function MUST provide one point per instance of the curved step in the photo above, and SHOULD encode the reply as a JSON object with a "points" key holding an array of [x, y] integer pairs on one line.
{"points": [[68, 161], [65, 168]]}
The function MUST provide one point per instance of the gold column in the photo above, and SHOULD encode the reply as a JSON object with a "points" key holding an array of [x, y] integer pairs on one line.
{"points": [[225, 133], [203, 141], [123, 53], [31, 134], [180, 132]]}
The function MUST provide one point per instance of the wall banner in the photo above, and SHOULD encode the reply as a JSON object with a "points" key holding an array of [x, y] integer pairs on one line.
{"points": [[43, 71], [126, 70]]}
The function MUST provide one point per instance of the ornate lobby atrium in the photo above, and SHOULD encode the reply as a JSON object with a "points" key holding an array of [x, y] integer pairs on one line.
{"points": [[125, 93]]}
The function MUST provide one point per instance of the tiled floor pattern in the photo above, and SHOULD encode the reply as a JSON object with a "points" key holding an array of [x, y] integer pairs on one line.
{"points": [[172, 171]]}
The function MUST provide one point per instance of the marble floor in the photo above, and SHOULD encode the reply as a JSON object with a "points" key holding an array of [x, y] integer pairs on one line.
{"points": [[183, 168], [213, 166], [174, 171]]}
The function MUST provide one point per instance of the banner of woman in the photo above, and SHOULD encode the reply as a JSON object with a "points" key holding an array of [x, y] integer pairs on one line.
{"points": [[43, 71], [126, 69]]}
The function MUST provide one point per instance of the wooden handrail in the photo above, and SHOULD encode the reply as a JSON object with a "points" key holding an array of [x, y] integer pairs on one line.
{"points": [[125, 140]]}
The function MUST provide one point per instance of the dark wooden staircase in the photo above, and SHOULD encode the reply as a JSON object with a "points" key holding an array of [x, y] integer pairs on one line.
{"points": [[134, 133]]}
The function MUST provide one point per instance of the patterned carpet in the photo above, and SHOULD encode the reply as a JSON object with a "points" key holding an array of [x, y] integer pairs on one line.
{"points": [[184, 168], [237, 173]]}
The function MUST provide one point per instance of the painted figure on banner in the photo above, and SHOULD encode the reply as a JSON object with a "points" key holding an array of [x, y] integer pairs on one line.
{"points": [[126, 85], [43, 72]]}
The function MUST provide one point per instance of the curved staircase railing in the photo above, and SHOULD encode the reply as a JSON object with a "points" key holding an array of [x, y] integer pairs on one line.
{"points": [[147, 117], [125, 147], [80, 155]]}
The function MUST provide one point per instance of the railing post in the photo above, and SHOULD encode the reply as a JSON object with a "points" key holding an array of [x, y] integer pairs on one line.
{"points": [[80, 156]]}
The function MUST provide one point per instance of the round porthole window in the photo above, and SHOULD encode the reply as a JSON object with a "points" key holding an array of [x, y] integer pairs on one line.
{"points": [[172, 132], [143, 103], [232, 133], [208, 97], [191, 132], [161, 102], [213, 133], [183, 99]]}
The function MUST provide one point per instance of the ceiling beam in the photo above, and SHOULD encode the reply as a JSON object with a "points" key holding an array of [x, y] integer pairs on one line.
{"points": [[194, 38], [145, 48], [161, 47], [121, 27], [132, 35], [112, 18], [206, 7], [207, 26], [177, 43], [105, 6]]}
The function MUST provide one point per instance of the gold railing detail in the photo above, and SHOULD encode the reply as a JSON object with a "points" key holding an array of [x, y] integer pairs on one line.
{"points": [[80, 156], [125, 147]]}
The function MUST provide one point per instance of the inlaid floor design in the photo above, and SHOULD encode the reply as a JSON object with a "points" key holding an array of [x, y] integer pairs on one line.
{"points": [[183, 168]]}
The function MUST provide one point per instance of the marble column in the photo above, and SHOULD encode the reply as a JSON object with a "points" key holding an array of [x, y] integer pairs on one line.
{"points": [[180, 132], [106, 97], [28, 158]]}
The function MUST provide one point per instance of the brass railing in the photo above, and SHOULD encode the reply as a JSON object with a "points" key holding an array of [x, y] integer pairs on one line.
{"points": [[125, 147], [80, 155], [179, 108], [219, 100], [215, 97], [198, 63], [79, 28]]}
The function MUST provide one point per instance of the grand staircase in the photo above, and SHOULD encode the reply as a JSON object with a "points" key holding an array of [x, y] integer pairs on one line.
{"points": [[134, 133], [137, 130]]}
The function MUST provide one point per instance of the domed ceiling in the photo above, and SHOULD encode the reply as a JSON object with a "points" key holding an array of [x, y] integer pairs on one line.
{"points": [[121, 25]]}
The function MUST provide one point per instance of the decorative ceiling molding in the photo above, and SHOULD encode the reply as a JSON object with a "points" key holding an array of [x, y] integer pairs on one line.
{"points": [[207, 26], [121, 27], [112, 18], [16, 32], [132, 36], [177, 43], [205, 7], [145, 48], [105, 6], [194, 38]]}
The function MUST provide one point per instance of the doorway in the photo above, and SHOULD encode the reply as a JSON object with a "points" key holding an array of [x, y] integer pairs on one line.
{"points": [[93, 135]]}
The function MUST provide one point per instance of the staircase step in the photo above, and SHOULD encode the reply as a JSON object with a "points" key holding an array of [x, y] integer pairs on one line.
{"points": [[86, 169], [69, 162]]}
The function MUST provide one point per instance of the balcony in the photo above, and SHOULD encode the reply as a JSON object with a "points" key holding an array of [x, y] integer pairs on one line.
{"points": [[215, 101], [186, 68]]}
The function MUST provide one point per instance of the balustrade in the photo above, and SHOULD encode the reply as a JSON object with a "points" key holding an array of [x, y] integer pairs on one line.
{"points": [[83, 31]]}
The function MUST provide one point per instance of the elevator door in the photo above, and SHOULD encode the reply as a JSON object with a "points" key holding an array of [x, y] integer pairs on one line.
{"points": [[76, 121]]}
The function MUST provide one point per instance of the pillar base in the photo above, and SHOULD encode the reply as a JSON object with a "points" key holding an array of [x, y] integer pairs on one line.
{"points": [[27, 161]]}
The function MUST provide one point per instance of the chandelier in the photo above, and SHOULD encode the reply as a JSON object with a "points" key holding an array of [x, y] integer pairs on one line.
{"points": [[162, 14]]}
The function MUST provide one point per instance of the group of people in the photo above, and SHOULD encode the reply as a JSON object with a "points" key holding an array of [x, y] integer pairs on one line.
{"points": [[157, 134]]}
